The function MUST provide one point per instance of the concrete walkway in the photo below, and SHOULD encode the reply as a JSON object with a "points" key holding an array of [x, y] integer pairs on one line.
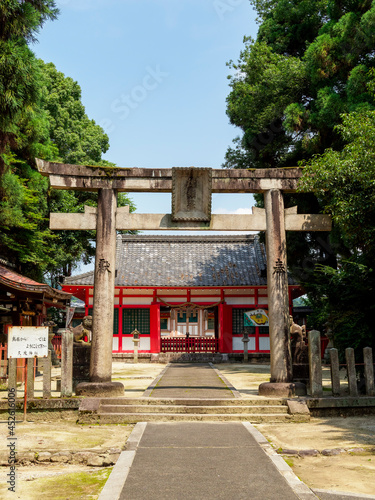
{"points": [[191, 381], [203, 461], [200, 460]]}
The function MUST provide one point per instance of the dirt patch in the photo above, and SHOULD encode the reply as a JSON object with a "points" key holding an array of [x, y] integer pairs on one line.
{"points": [[57, 482], [354, 474], [322, 433], [67, 435], [350, 471], [136, 377], [246, 378]]}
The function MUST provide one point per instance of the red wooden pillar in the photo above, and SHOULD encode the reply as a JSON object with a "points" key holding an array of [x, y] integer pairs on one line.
{"points": [[225, 328], [155, 335]]}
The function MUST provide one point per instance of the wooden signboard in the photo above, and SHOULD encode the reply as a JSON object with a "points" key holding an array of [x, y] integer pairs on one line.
{"points": [[28, 341]]}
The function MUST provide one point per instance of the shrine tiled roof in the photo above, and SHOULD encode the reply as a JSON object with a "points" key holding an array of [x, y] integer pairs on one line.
{"points": [[11, 280], [181, 261]]}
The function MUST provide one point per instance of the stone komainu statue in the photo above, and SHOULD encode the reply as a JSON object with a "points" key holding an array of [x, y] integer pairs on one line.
{"points": [[83, 330], [297, 338]]}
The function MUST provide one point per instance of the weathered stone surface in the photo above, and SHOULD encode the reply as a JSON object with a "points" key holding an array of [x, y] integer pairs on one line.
{"points": [[277, 288], [289, 452], [89, 405], [61, 456], [315, 362], [95, 460], [356, 451], [298, 407], [44, 456], [114, 451], [81, 457], [66, 363], [335, 371], [47, 365], [87, 178], [81, 363], [191, 194], [333, 452], [110, 459], [288, 389], [369, 371], [104, 282], [352, 375], [100, 389], [309, 453], [28, 456]]}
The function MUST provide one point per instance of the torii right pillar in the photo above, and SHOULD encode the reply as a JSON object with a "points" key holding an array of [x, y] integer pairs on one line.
{"points": [[278, 301]]}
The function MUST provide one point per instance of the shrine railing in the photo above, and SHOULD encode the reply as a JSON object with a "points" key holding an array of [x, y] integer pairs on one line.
{"points": [[192, 344], [56, 344], [20, 366]]}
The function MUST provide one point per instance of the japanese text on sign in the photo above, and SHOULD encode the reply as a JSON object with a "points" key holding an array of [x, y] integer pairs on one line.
{"points": [[27, 341]]}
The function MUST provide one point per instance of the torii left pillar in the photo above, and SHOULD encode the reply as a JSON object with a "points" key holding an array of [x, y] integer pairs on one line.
{"points": [[104, 282]]}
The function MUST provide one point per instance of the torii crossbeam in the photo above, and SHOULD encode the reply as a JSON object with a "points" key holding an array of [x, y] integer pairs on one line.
{"points": [[190, 188]]}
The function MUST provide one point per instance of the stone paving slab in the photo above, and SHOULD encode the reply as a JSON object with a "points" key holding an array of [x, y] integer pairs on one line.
{"points": [[191, 381], [203, 461]]}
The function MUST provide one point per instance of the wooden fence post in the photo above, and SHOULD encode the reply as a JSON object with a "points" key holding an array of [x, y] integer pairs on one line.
{"points": [[335, 372], [30, 378], [66, 363], [369, 371], [352, 376], [12, 375], [315, 364], [47, 375]]}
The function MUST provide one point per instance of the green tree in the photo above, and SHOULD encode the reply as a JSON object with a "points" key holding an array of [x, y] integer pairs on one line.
{"points": [[79, 140], [345, 182], [59, 130], [310, 63], [302, 88], [19, 70]]}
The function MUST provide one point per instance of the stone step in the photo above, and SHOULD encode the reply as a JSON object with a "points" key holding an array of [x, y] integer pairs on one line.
{"points": [[131, 418], [194, 401], [119, 409]]}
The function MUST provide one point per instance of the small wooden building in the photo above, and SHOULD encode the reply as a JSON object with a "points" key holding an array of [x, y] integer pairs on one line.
{"points": [[173, 287], [24, 302]]}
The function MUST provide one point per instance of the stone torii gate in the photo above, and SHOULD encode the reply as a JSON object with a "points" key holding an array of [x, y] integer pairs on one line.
{"points": [[191, 190]]}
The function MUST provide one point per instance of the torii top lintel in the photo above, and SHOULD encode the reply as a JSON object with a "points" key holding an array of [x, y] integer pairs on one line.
{"points": [[93, 178]]}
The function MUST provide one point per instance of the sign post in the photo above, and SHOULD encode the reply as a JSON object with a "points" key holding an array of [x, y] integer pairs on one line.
{"points": [[27, 342]]}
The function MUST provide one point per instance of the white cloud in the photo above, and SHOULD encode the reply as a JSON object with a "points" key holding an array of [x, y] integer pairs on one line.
{"points": [[238, 211]]}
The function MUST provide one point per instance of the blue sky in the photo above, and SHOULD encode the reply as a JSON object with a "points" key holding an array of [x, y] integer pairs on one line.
{"points": [[153, 74]]}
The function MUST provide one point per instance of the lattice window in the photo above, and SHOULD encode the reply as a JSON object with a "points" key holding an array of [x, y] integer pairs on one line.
{"points": [[136, 319], [238, 322], [115, 322], [182, 319], [163, 323]]}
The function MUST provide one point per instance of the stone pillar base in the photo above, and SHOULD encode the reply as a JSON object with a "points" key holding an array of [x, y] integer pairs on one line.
{"points": [[100, 389], [282, 389]]}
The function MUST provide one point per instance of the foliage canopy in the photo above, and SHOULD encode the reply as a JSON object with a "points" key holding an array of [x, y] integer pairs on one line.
{"points": [[41, 115], [302, 94]]}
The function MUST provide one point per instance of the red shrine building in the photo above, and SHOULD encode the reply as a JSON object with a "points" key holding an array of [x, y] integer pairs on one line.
{"points": [[186, 293]]}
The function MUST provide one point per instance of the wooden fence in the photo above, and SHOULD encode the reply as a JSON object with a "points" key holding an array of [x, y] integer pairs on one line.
{"points": [[352, 370], [56, 344], [191, 344], [20, 366]]}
